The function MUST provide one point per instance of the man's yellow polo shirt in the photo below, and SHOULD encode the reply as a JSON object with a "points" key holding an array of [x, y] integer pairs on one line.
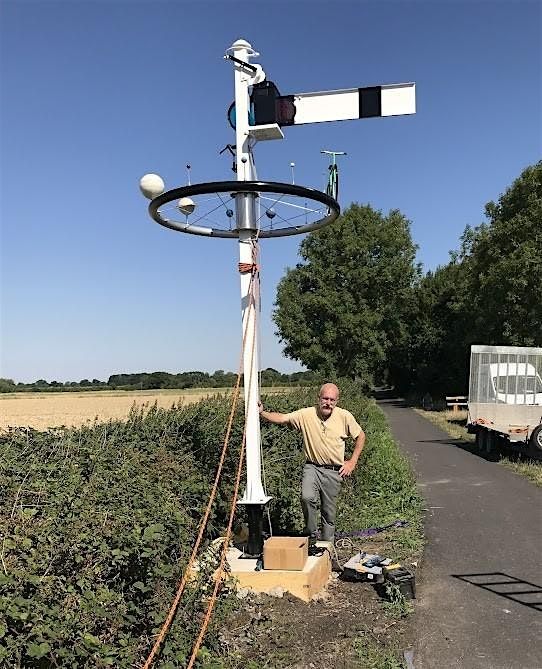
{"points": [[324, 440]]}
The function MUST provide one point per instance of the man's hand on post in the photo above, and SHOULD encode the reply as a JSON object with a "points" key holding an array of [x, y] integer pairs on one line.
{"points": [[347, 468], [260, 407]]}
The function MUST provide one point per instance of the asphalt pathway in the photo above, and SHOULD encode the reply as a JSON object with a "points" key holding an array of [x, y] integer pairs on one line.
{"points": [[480, 584]]}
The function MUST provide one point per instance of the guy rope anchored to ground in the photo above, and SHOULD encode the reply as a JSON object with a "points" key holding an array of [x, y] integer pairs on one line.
{"points": [[253, 301]]}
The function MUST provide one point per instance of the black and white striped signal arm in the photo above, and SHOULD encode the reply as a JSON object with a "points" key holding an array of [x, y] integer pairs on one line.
{"points": [[342, 105]]}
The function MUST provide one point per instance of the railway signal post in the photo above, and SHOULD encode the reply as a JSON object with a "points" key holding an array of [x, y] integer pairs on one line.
{"points": [[249, 210]]}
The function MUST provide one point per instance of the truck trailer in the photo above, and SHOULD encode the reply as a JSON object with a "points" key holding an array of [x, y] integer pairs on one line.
{"points": [[505, 398]]}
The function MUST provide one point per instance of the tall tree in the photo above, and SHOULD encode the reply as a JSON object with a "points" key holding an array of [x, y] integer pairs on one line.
{"points": [[489, 293], [504, 261], [433, 358], [342, 309]]}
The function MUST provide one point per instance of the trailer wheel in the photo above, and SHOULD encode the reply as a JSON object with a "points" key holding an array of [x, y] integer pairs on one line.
{"points": [[483, 440], [503, 444], [536, 439], [490, 441]]}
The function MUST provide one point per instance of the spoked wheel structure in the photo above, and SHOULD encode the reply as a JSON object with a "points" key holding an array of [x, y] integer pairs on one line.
{"points": [[223, 208]]}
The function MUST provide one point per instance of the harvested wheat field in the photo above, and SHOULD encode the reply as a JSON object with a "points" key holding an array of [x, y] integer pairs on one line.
{"points": [[43, 410]]}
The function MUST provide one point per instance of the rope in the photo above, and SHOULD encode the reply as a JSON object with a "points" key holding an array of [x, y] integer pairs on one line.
{"points": [[219, 573], [246, 267], [203, 524]]}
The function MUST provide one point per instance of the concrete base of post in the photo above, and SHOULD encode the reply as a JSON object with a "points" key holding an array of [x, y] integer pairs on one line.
{"points": [[304, 584]]}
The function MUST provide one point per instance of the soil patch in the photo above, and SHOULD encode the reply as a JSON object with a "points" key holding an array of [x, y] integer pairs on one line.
{"points": [[348, 626]]}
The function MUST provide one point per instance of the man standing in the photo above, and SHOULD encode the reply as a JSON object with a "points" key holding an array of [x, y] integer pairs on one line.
{"points": [[325, 428]]}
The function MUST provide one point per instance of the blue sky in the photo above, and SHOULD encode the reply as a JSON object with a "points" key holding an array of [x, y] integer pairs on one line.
{"points": [[95, 94]]}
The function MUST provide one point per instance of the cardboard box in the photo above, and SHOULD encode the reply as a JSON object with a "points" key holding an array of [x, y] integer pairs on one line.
{"points": [[288, 553]]}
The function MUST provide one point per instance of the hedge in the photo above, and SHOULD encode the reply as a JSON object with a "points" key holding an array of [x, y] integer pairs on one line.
{"points": [[97, 524]]}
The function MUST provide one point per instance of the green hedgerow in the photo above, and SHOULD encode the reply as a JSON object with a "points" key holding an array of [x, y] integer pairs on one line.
{"points": [[97, 524]]}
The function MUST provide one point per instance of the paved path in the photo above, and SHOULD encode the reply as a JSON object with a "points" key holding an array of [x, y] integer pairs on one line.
{"points": [[483, 527]]}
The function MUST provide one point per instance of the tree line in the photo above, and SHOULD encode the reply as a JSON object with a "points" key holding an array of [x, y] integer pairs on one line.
{"points": [[160, 380], [358, 305]]}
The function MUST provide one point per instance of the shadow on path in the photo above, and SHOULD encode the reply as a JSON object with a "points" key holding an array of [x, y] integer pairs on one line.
{"points": [[507, 586], [467, 446]]}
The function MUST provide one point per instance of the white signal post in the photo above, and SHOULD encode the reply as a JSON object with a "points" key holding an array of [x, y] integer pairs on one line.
{"points": [[275, 111], [247, 225]]}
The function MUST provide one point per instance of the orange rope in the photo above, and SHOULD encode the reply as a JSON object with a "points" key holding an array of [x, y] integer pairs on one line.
{"points": [[180, 590], [246, 267], [220, 571]]}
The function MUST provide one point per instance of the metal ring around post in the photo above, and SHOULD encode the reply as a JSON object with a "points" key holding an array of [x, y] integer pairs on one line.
{"points": [[329, 207]]}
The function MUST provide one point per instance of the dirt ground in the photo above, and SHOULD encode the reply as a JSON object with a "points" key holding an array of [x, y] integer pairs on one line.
{"points": [[348, 626]]}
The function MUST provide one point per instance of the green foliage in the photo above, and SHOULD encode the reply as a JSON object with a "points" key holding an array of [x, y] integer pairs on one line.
{"points": [[489, 293], [434, 357], [504, 263], [398, 605], [344, 308], [374, 655], [7, 386], [97, 525], [157, 380]]}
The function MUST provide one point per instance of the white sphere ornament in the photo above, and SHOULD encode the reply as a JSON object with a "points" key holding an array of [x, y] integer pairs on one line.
{"points": [[186, 206], [151, 185]]}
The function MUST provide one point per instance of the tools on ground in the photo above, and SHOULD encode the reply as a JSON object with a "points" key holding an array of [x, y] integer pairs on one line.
{"points": [[374, 568], [404, 579]]}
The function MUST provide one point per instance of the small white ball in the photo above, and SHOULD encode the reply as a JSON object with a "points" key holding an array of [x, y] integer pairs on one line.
{"points": [[186, 205], [151, 185]]}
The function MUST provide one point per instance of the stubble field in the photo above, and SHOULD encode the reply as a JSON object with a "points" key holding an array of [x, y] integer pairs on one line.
{"points": [[43, 410]]}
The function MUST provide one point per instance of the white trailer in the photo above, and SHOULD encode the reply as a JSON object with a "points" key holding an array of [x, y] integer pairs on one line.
{"points": [[505, 398]]}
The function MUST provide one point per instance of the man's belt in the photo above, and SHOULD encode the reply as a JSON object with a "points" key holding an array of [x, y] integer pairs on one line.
{"points": [[335, 468]]}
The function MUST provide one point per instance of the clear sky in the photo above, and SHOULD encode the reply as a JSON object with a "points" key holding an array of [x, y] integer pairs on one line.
{"points": [[94, 94]]}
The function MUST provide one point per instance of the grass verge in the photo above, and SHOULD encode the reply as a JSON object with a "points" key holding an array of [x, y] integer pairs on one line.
{"points": [[454, 423], [374, 655]]}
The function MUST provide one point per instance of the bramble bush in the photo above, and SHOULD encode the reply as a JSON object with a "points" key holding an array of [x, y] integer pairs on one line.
{"points": [[98, 522], [97, 525]]}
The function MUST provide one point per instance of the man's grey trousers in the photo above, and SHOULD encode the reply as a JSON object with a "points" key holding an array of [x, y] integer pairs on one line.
{"points": [[322, 486]]}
